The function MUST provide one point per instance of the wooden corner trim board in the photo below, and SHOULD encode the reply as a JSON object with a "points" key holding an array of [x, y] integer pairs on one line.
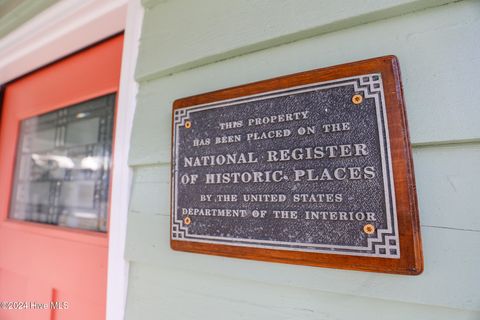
{"points": [[410, 259]]}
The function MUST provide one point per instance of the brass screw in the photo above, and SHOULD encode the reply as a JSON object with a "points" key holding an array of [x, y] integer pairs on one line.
{"points": [[368, 228], [188, 124], [187, 220], [357, 99]]}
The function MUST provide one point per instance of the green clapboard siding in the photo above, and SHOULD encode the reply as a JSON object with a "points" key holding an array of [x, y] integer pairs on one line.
{"points": [[160, 293], [219, 29], [189, 47], [441, 81]]}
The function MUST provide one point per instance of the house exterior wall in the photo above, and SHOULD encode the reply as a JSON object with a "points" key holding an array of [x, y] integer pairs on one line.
{"points": [[190, 47]]}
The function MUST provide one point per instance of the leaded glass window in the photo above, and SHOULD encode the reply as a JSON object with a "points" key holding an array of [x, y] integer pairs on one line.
{"points": [[62, 170]]}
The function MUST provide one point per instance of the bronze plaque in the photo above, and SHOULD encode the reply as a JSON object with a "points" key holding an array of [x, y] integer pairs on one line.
{"points": [[301, 169]]}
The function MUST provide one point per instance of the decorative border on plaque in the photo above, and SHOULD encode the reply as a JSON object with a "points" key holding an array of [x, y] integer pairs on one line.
{"points": [[386, 242]]}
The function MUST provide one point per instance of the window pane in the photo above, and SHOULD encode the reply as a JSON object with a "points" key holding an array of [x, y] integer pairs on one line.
{"points": [[39, 141], [62, 171], [82, 132]]}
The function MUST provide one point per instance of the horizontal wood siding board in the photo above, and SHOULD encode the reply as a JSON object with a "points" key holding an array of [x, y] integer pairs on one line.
{"points": [[183, 295], [426, 44], [446, 177], [181, 34], [451, 267]]}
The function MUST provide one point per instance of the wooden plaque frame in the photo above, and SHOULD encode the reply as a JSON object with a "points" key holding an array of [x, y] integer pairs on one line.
{"points": [[411, 258]]}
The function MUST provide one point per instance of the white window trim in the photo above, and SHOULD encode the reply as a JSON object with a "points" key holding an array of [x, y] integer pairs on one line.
{"points": [[122, 174], [60, 30]]}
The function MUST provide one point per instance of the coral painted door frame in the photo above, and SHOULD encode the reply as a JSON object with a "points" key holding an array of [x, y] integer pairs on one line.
{"points": [[38, 262]]}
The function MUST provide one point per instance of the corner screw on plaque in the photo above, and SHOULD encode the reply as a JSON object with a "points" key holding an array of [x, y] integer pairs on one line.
{"points": [[188, 124], [187, 220], [357, 99], [368, 228]]}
